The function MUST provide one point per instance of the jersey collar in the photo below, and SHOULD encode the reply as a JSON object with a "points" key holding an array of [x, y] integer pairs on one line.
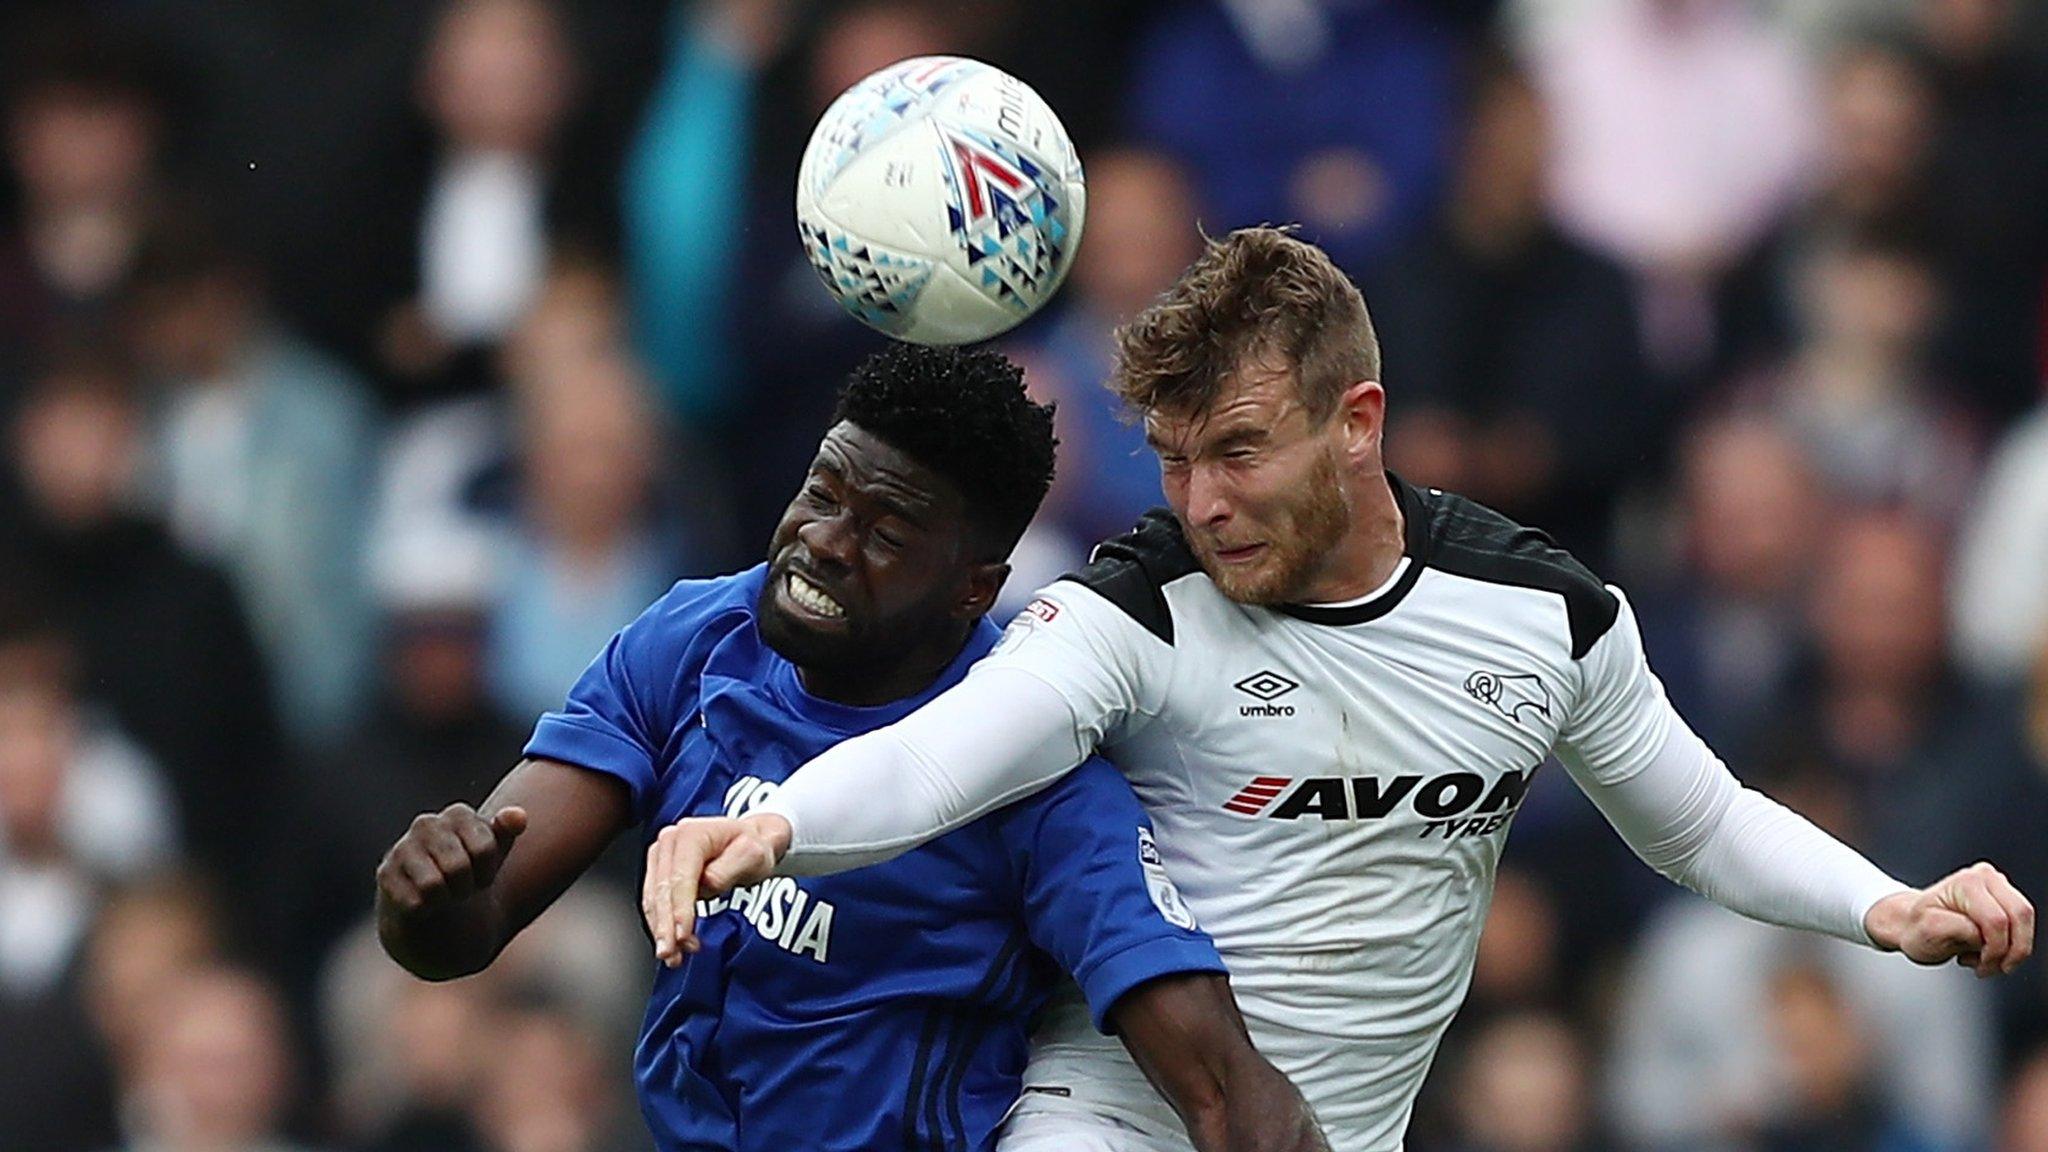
{"points": [[1414, 549], [848, 719]]}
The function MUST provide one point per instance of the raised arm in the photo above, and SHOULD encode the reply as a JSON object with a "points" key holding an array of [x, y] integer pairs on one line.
{"points": [[996, 737], [452, 892], [1185, 1032], [1070, 670], [1684, 813]]}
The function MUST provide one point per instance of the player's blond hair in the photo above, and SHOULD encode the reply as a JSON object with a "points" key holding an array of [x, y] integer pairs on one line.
{"points": [[1256, 295]]}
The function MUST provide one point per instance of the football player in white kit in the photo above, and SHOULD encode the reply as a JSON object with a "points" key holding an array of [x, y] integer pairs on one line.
{"points": [[1331, 689]]}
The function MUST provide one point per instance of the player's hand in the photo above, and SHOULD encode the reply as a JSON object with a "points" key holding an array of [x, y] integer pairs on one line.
{"points": [[447, 856], [1974, 917], [698, 858]]}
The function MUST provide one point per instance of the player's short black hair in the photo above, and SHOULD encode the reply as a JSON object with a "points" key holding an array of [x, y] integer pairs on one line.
{"points": [[963, 413]]}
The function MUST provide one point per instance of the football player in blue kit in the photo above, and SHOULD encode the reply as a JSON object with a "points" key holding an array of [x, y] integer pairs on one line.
{"points": [[879, 1009]]}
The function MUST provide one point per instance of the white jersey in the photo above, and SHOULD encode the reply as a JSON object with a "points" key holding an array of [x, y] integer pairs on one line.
{"points": [[1369, 758], [1331, 786]]}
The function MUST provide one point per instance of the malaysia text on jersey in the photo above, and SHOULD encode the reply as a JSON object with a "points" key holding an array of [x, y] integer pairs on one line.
{"points": [[882, 1008]]}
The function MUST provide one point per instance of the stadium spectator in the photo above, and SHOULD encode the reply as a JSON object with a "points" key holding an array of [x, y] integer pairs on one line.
{"points": [[578, 314], [409, 1076], [144, 615], [1859, 388], [425, 1076], [1874, 177], [1828, 1097], [550, 1086], [264, 455], [472, 229], [82, 803], [1695, 1062], [684, 197], [2011, 811], [214, 1071], [1514, 349], [84, 126], [441, 467], [1999, 601], [147, 932], [1336, 116], [1879, 706], [588, 550], [78, 808], [1990, 170], [1522, 1088], [1521, 949], [431, 732], [1684, 127], [1725, 627]]}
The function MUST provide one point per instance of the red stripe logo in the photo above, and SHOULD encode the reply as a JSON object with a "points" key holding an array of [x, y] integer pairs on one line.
{"points": [[1253, 797], [977, 166]]}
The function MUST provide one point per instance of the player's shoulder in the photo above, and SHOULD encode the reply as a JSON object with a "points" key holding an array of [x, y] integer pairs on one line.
{"points": [[1132, 571], [691, 608], [1466, 538], [1090, 804]]}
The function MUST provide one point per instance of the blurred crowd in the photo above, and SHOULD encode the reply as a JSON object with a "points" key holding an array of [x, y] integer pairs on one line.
{"points": [[364, 366]]}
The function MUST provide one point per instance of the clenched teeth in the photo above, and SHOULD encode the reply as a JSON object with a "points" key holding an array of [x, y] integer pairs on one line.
{"points": [[812, 597]]}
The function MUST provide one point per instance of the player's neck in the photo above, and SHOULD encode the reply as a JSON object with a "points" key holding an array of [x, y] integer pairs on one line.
{"points": [[873, 685], [1366, 555]]}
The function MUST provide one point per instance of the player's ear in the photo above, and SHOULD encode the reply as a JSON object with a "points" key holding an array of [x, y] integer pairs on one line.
{"points": [[1362, 408], [984, 583]]}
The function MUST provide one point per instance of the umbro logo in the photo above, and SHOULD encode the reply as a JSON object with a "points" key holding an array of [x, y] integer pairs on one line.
{"points": [[1266, 686]]}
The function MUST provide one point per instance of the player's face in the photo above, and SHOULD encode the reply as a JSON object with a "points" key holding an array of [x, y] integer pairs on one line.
{"points": [[1257, 486], [872, 563]]}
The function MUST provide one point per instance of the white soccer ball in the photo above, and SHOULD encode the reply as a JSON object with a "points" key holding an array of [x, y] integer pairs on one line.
{"points": [[940, 200]]}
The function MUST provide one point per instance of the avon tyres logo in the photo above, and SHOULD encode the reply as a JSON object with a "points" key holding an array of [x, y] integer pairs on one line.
{"points": [[1266, 687], [1455, 803], [1511, 694]]}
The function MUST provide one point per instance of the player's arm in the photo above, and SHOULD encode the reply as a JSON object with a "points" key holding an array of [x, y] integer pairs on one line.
{"points": [[1020, 720], [1686, 815], [452, 892], [1097, 898], [463, 882], [1184, 1031]]}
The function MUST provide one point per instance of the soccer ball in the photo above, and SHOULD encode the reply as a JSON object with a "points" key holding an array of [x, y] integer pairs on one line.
{"points": [[940, 200]]}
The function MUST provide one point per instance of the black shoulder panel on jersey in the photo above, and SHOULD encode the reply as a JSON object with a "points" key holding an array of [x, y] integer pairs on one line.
{"points": [[1132, 570], [1469, 539]]}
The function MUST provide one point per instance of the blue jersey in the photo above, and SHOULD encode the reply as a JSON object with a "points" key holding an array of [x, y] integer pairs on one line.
{"points": [[884, 1008]]}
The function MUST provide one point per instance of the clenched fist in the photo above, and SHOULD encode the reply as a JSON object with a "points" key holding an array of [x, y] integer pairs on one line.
{"points": [[1974, 917], [447, 856]]}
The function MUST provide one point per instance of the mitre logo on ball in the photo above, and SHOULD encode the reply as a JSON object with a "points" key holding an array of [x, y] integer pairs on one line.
{"points": [[940, 200]]}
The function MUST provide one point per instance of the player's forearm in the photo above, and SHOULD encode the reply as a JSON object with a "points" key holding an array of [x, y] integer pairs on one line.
{"points": [[1689, 818], [456, 939], [993, 739], [1184, 1031]]}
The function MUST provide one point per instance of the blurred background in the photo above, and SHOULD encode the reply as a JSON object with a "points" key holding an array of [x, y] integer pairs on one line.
{"points": [[364, 366]]}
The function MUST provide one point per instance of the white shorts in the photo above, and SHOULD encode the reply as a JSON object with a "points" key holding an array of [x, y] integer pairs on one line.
{"points": [[1050, 1124]]}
